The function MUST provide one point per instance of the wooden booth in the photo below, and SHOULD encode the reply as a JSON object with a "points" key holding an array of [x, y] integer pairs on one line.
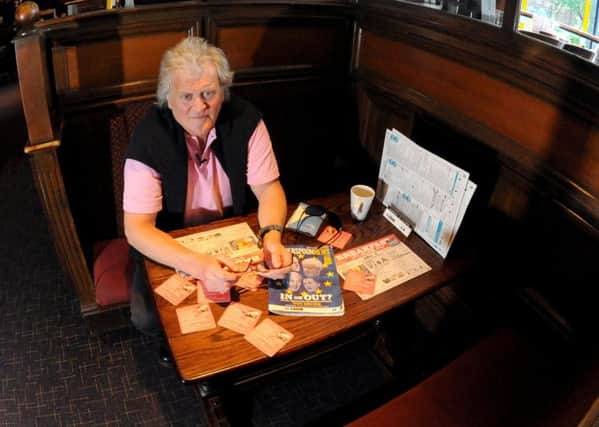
{"points": [[330, 76], [86, 80]]}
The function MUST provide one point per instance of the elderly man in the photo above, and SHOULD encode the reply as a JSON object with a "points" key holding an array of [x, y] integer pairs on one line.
{"points": [[190, 161]]}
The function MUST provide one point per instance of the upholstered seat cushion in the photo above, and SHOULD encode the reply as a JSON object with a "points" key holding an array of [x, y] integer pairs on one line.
{"points": [[113, 270]]}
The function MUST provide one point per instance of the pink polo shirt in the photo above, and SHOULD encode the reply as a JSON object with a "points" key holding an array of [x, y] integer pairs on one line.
{"points": [[208, 188]]}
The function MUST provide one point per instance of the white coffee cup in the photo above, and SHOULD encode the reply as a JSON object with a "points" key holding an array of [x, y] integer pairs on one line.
{"points": [[361, 197]]}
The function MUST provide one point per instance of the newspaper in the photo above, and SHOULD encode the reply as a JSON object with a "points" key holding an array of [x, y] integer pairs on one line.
{"points": [[390, 260], [236, 241], [429, 192]]}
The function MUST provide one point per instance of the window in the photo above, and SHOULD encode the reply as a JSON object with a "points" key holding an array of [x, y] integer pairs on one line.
{"points": [[573, 22]]}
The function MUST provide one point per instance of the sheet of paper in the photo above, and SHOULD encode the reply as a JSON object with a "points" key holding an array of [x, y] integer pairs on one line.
{"points": [[470, 189], [333, 237], [236, 241], [387, 258], [269, 337], [250, 280], [194, 318], [361, 282], [240, 318], [428, 190], [175, 289]]}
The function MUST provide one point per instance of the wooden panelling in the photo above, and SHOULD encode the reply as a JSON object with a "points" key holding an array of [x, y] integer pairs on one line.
{"points": [[50, 186], [538, 68], [34, 87], [113, 61], [313, 129], [252, 46], [565, 143], [515, 219], [374, 117]]}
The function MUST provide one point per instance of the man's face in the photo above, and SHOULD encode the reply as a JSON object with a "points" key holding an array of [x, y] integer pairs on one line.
{"points": [[195, 99], [311, 285], [312, 267], [295, 281]]}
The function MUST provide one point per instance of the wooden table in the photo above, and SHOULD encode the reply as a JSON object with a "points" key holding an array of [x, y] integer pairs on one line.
{"points": [[221, 354]]}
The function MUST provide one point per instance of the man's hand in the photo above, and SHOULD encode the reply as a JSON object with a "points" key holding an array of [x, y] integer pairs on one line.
{"points": [[272, 209], [277, 257], [211, 272]]}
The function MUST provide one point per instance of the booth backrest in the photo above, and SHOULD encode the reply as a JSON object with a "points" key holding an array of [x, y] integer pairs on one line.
{"points": [[121, 128]]}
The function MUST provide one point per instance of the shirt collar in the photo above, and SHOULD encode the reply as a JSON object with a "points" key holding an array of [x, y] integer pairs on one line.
{"points": [[196, 141]]}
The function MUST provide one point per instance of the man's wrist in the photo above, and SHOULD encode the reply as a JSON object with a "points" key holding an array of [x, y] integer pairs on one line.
{"points": [[270, 231]]}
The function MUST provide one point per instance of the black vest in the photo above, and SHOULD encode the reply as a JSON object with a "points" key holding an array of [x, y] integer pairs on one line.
{"points": [[159, 142]]}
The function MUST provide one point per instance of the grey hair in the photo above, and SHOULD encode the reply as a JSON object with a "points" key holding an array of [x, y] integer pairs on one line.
{"points": [[192, 51]]}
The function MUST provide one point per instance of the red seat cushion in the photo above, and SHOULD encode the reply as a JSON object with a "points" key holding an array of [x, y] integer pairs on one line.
{"points": [[113, 271]]}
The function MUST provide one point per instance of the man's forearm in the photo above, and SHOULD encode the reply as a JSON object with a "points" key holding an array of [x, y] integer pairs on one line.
{"points": [[272, 208], [158, 246], [162, 248]]}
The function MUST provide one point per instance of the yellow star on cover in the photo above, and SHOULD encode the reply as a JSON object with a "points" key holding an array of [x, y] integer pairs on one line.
{"points": [[327, 283], [330, 274], [304, 293], [319, 291]]}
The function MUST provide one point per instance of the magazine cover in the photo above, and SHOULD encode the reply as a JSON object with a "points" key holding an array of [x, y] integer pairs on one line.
{"points": [[311, 288], [387, 258]]}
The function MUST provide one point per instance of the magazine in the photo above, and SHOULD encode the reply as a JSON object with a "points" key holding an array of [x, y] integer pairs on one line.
{"points": [[312, 287], [387, 258]]}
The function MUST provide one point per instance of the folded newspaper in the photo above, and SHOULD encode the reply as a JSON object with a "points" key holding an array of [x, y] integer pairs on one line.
{"points": [[236, 241], [387, 258]]}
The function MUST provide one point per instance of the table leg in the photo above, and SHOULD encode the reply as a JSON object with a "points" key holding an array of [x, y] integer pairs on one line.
{"points": [[215, 411], [381, 347], [213, 403]]}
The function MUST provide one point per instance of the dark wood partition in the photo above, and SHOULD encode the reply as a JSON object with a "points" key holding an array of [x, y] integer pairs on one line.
{"points": [[528, 113], [537, 106]]}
